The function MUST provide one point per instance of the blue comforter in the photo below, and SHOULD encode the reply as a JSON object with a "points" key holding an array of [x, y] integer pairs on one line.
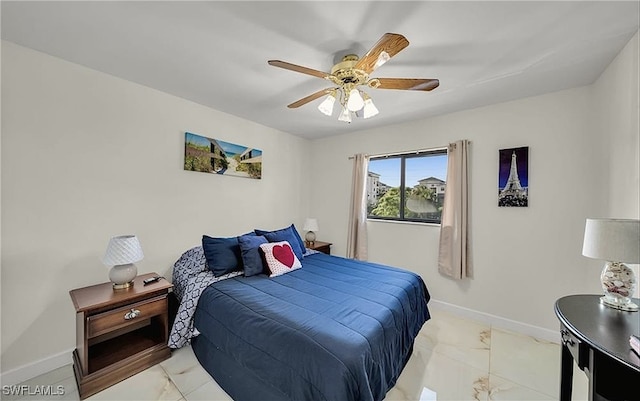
{"points": [[337, 329]]}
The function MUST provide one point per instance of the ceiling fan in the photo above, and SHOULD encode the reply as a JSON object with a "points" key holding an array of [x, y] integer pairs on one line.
{"points": [[352, 73]]}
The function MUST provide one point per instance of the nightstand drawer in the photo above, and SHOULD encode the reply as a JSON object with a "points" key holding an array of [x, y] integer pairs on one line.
{"points": [[112, 320]]}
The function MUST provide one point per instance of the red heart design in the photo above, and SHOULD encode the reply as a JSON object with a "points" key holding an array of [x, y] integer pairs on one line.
{"points": [[284, 255]]}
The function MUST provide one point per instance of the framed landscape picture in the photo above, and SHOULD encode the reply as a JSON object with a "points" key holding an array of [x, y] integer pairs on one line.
{"points": [[513, 177], [214, 156]]}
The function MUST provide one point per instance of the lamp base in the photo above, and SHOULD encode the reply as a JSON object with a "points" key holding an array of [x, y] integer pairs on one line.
{"points": [[122, 276], [122, 286], [618, 284], [629, 307], [310, 237]]}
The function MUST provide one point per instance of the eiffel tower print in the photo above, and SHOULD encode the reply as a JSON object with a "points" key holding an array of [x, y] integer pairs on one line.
{"points": [[513, 188]]}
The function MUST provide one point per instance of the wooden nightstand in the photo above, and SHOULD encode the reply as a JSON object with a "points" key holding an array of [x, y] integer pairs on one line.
{"points": [[324, 247], [119, 333]]}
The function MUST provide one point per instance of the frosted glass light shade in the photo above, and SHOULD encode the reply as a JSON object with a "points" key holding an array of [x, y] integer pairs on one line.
{"points": [[122, 252], [345, 115], [616, 241], [370, 109], [355, 101], [326, 107]]}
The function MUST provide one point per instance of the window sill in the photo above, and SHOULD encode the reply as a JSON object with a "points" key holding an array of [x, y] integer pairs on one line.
{"points": [[416, 223]]}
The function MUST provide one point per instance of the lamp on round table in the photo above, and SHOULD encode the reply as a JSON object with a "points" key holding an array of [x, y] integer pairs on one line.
{"points": [[616, 241]]}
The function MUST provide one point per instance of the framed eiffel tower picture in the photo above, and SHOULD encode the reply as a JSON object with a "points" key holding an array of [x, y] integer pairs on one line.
{"points": [[513, 177]]}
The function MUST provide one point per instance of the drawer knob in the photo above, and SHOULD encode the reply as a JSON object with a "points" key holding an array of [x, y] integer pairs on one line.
{"points": [[132, 314]]}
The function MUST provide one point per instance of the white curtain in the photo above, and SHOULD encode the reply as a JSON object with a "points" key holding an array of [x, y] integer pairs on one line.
{"points": [[454, 258], [357, 237]]}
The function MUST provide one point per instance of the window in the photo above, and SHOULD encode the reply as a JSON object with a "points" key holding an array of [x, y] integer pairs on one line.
{"points": [[407, 187]]}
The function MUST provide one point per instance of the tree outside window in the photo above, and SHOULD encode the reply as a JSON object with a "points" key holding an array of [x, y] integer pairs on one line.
{"points": [[407, 187]]}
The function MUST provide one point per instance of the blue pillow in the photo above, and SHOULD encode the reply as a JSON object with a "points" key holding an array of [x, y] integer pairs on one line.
{"points": [[222, 254], [288, 234], [300, 240], [250, 253], [297, 237]]}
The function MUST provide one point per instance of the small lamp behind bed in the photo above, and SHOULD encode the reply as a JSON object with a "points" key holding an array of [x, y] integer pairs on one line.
{"points": [[310, 226]]}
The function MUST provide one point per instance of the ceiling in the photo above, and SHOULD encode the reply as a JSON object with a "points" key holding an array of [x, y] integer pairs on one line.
{"points": [[215, 53]]}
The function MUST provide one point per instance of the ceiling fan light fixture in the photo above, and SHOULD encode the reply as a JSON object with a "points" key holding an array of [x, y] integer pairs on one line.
{"points": [[345, 115], [369, 109], [355, 101], [326, 107], [351, 75]]}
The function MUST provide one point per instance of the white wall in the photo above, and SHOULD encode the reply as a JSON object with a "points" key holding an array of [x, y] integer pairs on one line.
{"points": [[525, 258], [616, 104], [86, 156]]}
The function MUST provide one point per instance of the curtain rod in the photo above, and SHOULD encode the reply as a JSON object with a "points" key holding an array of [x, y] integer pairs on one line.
{"points": [[406, 152]]}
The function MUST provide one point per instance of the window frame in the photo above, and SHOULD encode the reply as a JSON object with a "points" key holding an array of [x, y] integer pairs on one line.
{"points": [[403, 158]]}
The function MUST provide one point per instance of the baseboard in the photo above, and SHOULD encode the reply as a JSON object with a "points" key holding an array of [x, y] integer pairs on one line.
{"points": [[29, 371], [34, 369], [497, 321]]}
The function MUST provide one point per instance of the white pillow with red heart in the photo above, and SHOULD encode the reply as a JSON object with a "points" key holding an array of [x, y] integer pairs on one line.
{"points": [[280, 258]]}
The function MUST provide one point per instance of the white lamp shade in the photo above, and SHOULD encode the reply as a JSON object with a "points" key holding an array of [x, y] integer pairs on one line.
{"points": [[326, 107], [370, 109], [123, 250], [310, 224], [345, 115], [355, 102], [615, 240]]}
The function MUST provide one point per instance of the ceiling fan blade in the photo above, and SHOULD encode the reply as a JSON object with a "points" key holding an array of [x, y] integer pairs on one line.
{"points": [[388, 46], [298, 68], [413, 84], [310, 98]]}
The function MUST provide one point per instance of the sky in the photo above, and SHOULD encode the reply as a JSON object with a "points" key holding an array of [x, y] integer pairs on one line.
{"points": [[416, 169]]}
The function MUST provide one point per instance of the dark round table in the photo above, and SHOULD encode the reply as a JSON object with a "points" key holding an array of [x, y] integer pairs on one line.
{"points": [[597, 338]]}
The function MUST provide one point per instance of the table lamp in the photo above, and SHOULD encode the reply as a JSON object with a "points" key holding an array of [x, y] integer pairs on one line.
{"points": [[122, 252], [310, 226], [616, 241]]}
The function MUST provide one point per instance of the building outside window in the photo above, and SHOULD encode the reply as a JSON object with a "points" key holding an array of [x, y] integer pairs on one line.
{"points": [[407, 187]]}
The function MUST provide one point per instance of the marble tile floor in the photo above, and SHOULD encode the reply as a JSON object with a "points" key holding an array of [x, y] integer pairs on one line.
{"points": [[453, 359]]}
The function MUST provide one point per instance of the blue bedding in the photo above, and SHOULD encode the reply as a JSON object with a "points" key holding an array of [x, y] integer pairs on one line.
{"points": [[336, 329]]}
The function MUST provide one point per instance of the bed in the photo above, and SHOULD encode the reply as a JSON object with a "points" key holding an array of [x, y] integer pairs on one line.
{"points": [[335, 329]]}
